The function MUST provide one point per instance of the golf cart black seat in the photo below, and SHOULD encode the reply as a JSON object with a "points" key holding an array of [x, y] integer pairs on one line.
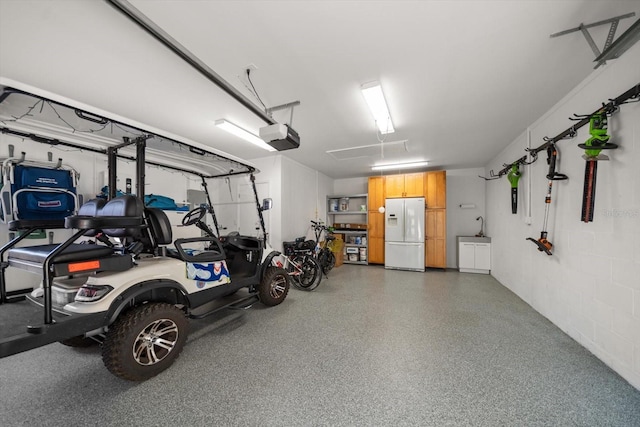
{"points": [[243, 254], [81, 257], [159, 227], [244, 243]]}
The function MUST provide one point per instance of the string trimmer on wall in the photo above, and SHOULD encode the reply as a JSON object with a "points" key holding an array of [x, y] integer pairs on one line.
{"points": [[598, 141], [544, 245], [514, 176]]}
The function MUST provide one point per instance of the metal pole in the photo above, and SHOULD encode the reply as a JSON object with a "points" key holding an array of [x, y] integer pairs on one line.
{"points": [[211, 210], [141, 145], [259, 207], [159, 34], [112, 161]]}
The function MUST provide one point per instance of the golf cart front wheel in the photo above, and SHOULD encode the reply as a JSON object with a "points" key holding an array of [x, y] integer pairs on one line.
{"points": [[274, 286], [145, 341]]}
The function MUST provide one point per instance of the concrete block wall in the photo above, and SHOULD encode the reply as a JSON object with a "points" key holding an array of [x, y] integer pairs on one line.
{"points": [[590, 286]]}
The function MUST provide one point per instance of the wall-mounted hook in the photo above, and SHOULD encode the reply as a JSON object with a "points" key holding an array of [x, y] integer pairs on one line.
{"points": [[533, 154], [492, 176], [579, 117]]}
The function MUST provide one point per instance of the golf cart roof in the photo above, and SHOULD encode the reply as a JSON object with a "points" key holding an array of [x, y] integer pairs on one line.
{"points": [[54, 120]]}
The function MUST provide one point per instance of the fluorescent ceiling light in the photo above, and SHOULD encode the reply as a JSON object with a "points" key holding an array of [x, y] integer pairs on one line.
{"points": [[372, 93], [244, 134], [399, 166]]}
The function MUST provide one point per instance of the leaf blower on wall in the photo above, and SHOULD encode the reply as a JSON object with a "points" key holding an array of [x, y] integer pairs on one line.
{"points": [[514, 176], [544, 245]]}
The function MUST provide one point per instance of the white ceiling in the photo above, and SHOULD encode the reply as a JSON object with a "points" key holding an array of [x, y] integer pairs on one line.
{"points": [[462, 78]]}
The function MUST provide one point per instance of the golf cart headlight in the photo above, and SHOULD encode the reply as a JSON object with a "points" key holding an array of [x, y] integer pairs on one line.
{"points": [[90, 293]]}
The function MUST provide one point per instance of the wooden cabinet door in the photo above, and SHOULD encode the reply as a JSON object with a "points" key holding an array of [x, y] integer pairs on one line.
{"points": [[436, 189], [376, 237], [376, 224], [436, 229], [414, 185], [394, 186], [376, 192], [376, 250]]}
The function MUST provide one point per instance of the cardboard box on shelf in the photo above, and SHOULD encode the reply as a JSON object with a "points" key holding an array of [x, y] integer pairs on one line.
{"points": [[337, 247]]}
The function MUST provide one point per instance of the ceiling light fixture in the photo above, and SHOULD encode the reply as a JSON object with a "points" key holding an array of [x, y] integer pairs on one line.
{"points": [[372, 93], [243, 133], [399, 166]]}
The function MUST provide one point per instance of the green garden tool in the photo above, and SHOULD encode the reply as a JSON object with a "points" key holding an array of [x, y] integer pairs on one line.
{"points": [[598, 141], [514, 176]]}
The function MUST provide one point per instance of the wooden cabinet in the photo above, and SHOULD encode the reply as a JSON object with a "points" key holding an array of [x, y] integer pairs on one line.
{"points": [[430, 185], [436, 238], [376, 224], [394, 186], [376, 250], [436, 189], [376, 192], [414, 185], [407, 185], [376, 237], [377, 185]]}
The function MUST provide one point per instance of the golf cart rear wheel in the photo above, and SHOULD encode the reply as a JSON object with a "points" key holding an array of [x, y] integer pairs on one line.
{"points": [[274, 286], [79, 342], [145, 341]]}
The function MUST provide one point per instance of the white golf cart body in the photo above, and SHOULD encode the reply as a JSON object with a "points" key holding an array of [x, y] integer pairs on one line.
{"points": [[122, 259]]}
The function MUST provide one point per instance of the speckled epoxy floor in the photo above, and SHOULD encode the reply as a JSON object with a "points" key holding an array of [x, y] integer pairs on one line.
{"points": [[368, 347]]}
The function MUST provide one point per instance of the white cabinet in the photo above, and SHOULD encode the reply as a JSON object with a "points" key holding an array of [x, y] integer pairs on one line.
{"points": [[483, 256], [474, 255]]}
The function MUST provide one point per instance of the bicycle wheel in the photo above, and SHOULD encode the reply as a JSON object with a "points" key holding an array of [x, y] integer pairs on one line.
{"points": [[292, 267], [330, 262], [310, 274]]}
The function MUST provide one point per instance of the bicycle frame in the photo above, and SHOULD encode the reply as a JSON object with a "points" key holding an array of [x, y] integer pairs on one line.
{"points": [[303, 268]]}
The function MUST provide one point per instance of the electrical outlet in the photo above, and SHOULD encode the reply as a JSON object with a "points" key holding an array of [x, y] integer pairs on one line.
{"points": [[528, 220], [243, 77], [250, 67]]}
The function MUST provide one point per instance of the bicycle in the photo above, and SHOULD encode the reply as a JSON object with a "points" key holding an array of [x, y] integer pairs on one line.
{"points": [[326, 258], [300, 264]]}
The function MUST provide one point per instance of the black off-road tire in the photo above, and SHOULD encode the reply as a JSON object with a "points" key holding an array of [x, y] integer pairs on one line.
{"points": [[145, 341], [274, 286], [79, 342]]}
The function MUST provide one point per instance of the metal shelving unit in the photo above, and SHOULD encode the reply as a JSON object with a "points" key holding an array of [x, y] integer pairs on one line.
{"points": [[348, 215]]}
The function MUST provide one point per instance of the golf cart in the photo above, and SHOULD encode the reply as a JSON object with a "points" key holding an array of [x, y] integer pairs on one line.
{"points": [[121, 279]]}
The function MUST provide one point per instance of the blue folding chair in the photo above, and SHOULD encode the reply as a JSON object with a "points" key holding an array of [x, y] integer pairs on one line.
{"points": [[34, 192]]}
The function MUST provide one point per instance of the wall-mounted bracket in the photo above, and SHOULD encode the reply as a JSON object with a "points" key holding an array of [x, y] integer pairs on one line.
{"points": [[290, 105], [585, 32]]}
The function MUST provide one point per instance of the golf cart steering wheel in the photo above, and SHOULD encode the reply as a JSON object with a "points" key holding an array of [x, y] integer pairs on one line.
{"points": [[194, 216]]}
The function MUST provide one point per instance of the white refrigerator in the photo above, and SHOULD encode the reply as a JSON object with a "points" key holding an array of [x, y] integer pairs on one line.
{"points": [[404, 234]]}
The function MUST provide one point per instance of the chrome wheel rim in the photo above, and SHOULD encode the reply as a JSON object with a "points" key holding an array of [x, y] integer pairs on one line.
{"points": [[155, 342], [278, 286]]}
